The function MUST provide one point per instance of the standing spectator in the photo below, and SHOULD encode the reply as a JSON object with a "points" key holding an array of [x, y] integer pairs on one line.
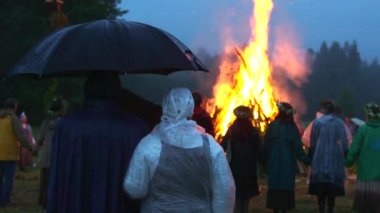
{"points": [[306, 134], [328, 145], [282, 148], [243, 143], [200, 115], [91, 149], [179, 168], [47, 128], [11, 134], [365, 149], [26, 158]]}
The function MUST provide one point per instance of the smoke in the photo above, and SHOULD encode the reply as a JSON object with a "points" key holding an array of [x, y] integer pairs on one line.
{"points": [[290, 67]]}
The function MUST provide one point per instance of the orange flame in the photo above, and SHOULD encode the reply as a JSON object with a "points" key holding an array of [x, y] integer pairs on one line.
{"points": [[250, 85]]}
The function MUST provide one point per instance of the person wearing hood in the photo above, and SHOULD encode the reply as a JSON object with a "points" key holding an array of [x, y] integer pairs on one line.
{"points": [[56, 110], [91, 149], [328, 146], [365, 150], [11, 135], [282, 147], [178, 167]]}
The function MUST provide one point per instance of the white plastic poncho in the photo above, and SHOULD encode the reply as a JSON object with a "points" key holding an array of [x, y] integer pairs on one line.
{"points": [[180, 136]]}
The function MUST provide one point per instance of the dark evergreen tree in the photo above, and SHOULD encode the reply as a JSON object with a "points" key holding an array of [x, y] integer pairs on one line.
{"points": [[22, 24]]}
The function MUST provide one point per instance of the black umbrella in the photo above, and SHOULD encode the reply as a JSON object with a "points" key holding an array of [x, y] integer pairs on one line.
{"points": [[107, 45]]}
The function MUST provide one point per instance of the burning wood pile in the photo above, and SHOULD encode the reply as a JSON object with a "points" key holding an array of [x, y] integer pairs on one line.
{"points": [[248, 80]]}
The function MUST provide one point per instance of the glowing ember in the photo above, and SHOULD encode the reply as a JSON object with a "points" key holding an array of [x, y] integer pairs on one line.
{"points": [[250, 84]]}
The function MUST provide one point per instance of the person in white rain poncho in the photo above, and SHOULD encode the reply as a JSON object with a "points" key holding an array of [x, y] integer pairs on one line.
{"points": [[178, 167]]}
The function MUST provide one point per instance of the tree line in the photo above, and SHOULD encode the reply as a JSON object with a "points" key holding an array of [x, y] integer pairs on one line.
{"points": [[25, 22], [338, 72]]}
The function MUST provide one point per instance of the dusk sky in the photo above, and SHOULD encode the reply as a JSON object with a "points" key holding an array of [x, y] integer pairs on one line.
{"points": [[202, 23]]}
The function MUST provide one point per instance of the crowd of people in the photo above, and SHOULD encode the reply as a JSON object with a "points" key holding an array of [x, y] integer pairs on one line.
{"points": [[103, 158]]}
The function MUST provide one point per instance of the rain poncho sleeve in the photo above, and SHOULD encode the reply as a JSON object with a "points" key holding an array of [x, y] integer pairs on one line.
{"points": [[145, 156], [145, 161], [223, 186]]}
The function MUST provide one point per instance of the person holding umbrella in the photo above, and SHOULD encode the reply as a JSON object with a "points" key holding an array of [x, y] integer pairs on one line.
{"points": [[91, 149]]}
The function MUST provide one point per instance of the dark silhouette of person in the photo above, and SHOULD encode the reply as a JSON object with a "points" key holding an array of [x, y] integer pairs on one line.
{"points": [[201, 116], [243, 141], [146, 110], [282, 147], [48, 125], [91, 149]]}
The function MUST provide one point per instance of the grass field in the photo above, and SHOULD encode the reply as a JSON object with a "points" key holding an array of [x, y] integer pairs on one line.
{"points": [[25, 196]]}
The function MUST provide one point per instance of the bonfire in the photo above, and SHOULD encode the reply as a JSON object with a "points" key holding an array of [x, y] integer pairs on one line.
{"points": [[247, 82]]}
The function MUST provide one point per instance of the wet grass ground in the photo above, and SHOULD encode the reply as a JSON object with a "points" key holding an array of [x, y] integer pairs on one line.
{"points": [[25, 196], [305, 203]]}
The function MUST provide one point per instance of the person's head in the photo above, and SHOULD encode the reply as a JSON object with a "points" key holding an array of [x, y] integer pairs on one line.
{"points": [[11, 104], [102, 85], [347, 120], [23, 118], [285, 112], [197, 99], [243, 112], [57, 106], [242, 125], [178, 104], [372, 111], [327, 107]]}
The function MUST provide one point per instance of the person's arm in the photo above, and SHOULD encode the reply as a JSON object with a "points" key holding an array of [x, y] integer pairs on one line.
{"points": [[211, 126], [19, 133], [313, 139], [223, 185], [355, 148], [258, 147], [41, 137], [136, 181], [344, 139], [300, 152], [31, 135], [225, 140], [265, 147]]}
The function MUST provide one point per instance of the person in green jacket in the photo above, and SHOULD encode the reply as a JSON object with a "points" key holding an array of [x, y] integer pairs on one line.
{"points": [[282, 146], [365, 150]]}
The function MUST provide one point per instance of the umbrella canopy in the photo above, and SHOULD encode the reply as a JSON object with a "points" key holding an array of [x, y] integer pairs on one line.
{"points": [[107, 45]]}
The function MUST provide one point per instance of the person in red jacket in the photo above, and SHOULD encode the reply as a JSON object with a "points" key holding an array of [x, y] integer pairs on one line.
{"points": [[201, 116]]}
